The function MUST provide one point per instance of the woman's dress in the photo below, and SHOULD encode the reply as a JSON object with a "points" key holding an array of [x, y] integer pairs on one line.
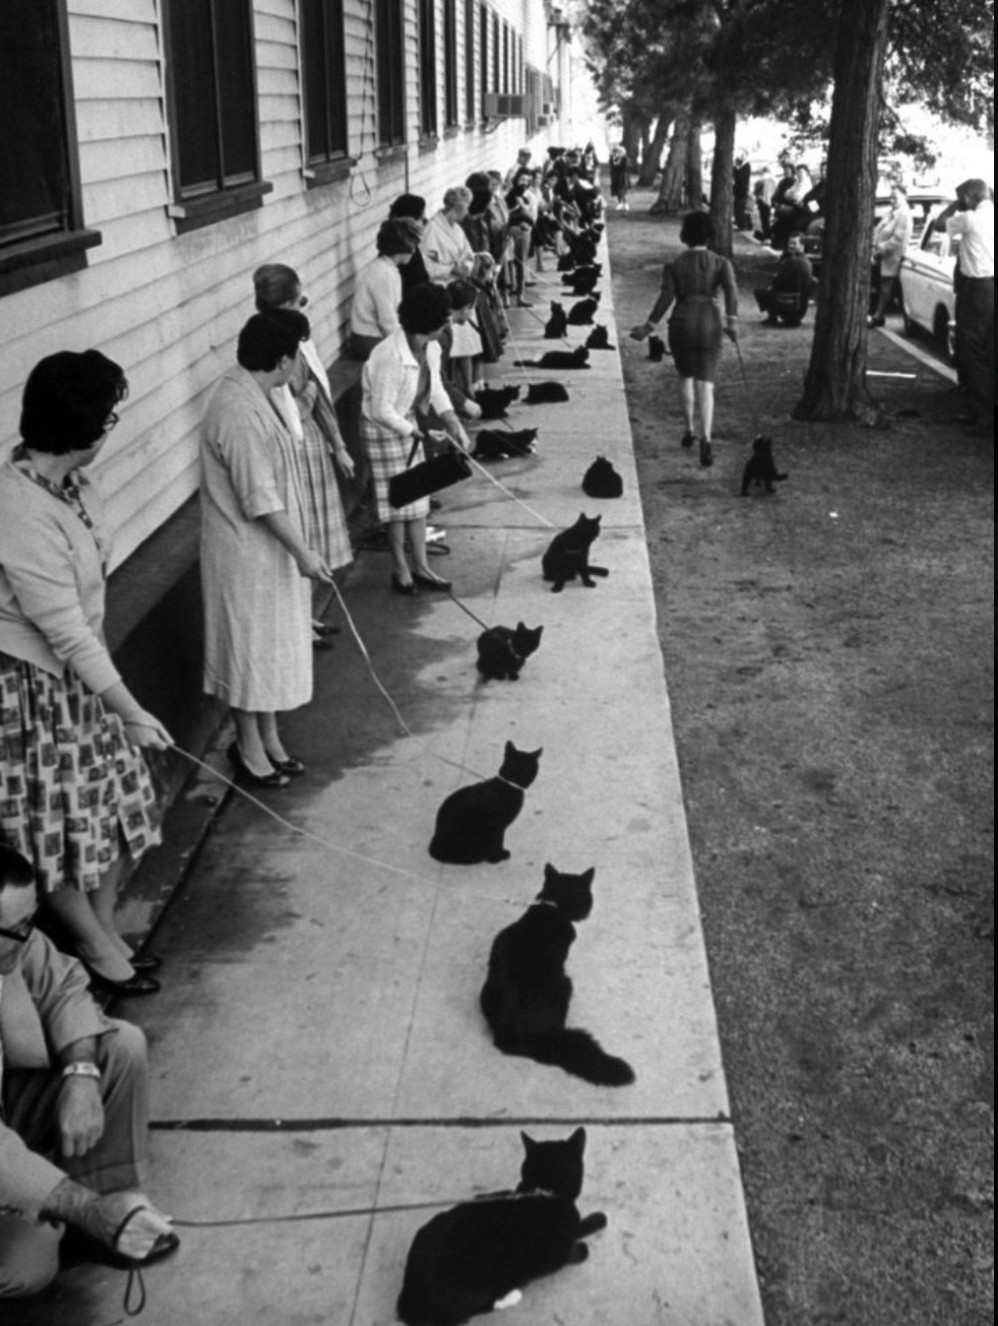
{"points": [[258, 637]]}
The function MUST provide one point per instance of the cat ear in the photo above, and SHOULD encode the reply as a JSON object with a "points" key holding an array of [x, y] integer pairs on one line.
{"points": [[588, 876], [578, 1140], [510, 748], [528, 1142], [521, 626], [536, 754], [549, 873]]}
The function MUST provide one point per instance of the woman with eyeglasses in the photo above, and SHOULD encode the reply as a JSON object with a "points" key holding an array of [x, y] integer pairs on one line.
{"points": [[307, 402], [77, 797]]}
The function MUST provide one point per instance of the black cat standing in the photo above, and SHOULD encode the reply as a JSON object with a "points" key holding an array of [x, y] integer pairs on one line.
{"points": [[475, 1257], [472, 822]]}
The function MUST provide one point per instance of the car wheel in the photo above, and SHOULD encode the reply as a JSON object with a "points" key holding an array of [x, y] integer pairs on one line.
{"points": [[944, 334]]}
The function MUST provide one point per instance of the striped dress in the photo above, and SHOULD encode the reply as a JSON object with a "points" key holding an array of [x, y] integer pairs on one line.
{"points": [[325, 522]]}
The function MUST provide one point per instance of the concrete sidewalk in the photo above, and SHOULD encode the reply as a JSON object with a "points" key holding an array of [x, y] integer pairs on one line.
{"points": [[330, 981]]}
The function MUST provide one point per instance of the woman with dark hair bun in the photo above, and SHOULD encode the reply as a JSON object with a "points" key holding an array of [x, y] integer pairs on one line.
{"points": [[307, 402], [256, 560], [691, 285], [412, 207], [77, 795], [401, 377]]}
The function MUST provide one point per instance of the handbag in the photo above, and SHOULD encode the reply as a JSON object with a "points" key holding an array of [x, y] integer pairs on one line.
{"points": [[429, 476]]}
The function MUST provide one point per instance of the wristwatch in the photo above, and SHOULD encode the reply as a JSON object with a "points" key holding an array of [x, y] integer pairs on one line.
{"points": [[81, 1068]]}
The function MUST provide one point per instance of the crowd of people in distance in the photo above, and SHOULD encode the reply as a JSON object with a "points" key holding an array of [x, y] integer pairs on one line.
{"points": [[278, 480]]}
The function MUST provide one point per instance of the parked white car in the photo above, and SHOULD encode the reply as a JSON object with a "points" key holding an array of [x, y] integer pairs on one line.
{"points": [[927, 298]]}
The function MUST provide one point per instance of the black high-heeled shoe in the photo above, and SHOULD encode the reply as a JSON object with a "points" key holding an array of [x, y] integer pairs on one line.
{"points": [[291, 766], [146, 962], [139, 984], [246, 775], [431, 581], [401, 587]]}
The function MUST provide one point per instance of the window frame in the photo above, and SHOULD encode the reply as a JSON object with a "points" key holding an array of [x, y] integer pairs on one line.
{"points": [[470, 61], [452, 91], [192, 211], [336, 161], [429, 123], [390, 119], [48, 255]]}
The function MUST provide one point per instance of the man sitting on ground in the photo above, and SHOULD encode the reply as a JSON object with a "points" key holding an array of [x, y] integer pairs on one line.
{"points": [[74, 1082], [786, 298]]}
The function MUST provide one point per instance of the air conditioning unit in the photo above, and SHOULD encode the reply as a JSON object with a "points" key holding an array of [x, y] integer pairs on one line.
{"points": [[504, 105], [543, 121], [547, 108]]}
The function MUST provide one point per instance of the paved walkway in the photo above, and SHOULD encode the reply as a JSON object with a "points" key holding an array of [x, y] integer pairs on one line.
{"points": [[318, 1032]]}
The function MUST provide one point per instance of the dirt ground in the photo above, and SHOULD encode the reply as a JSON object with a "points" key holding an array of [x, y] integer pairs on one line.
{"points": [[829, 657]]}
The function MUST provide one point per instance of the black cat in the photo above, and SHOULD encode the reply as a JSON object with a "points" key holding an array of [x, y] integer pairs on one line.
{"points": [[583, 279], [656, 349], [526, 996], [577, 358], [602, 480], [599, 339], [567, 555], [472, 822], [557, 325], [761, 467], [581, 314], [473, 1258], [493, 444], [566, 262], [502, 651], [495, 401], [546, 393]]}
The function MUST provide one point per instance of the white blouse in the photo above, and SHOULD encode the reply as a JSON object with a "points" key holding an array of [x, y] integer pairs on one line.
{"points": [[391, 382]]}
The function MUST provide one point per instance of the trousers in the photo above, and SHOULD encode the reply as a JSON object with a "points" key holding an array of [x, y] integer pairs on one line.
{"points": [[29, 1249]]}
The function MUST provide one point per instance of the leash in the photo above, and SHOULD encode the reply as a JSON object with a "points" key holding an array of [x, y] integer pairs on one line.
{"points": [[346, 1214], [745, 386]]}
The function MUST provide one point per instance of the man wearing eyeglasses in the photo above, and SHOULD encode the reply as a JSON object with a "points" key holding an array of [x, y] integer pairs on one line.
{"points": [[73, 1107]]}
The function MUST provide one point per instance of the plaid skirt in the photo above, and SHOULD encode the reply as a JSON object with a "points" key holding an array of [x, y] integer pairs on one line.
{"points": [[71, 785], [388, 452]]}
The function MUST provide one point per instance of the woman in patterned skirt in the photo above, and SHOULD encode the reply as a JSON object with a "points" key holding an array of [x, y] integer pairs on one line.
{"points": [[308, 403], [401, 377], [691, 284], [76, 793]]}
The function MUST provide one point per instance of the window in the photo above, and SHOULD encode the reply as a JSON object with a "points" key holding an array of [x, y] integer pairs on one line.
{"points": [[389, 38], [451, 113], [505, 57], [427, 69], [41, 217], [212, 84], [496, 55], [469, 60], [324, 70], [483, 55]]}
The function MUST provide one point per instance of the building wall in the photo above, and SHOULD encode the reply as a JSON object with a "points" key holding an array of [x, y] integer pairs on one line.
{"points": [[168, 306]]}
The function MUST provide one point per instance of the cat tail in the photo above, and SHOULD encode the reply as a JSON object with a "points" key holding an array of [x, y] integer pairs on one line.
{"points": [[578, 1053]]}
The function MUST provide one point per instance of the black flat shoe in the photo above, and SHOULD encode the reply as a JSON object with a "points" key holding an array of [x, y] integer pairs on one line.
{"points": [[246, 775], [146, 962], [687, 440], [431, 581], [293, 767], [400, 586], [138, 984], [320, 628], [706, 454], [320, 642]]}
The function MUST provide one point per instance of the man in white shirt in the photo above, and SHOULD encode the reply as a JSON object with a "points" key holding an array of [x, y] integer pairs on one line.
{"points": [[971, 221]]}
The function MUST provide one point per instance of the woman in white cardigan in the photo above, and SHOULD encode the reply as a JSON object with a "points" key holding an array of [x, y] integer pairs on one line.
{"points": [[401, 377], [76, 792]]}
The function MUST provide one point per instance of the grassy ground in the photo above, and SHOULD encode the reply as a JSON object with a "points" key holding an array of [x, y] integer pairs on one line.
{"points": [[829, 655]]}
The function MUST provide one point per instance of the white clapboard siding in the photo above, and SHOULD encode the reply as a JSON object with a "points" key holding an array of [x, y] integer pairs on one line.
{"points": [[169, 307]]}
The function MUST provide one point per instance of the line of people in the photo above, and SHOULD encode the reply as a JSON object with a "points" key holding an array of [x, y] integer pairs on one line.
{"points": [[78, 807]]}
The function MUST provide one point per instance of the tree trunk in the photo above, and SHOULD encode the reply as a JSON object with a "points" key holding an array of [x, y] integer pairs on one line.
{"points": [[835, 385], [653, 157], [694, 165], [670, 193], [722, 181], [633, 124]]}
